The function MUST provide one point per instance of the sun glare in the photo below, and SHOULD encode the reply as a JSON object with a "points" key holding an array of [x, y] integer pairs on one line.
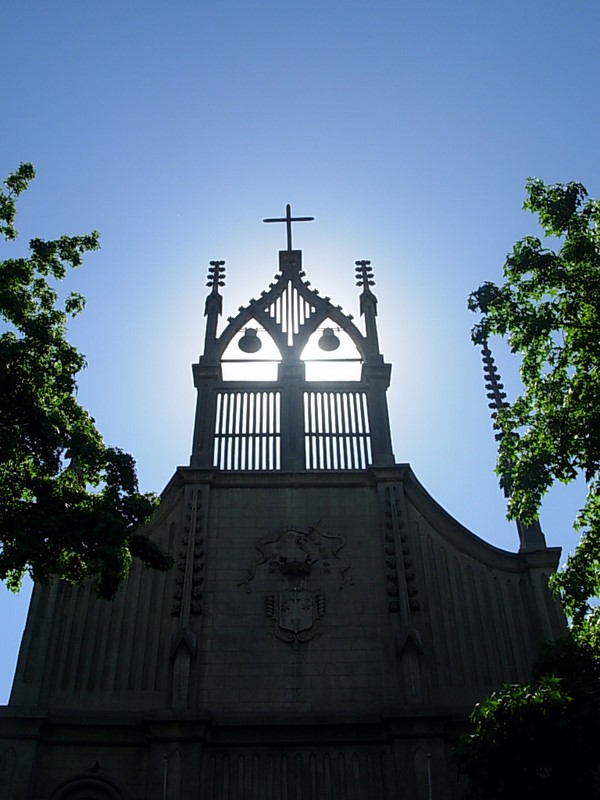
{"points": [[341, 364], [252, 355]]}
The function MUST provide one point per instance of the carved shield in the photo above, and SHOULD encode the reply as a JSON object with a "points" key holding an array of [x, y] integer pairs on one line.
{"points": [[296, 609]]}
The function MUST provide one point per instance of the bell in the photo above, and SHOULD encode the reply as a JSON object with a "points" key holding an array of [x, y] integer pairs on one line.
{"points": [[250, 343], [328, 341]]}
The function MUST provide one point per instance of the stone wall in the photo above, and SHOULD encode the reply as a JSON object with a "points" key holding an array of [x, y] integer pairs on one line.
{"points": [[325, 634]]}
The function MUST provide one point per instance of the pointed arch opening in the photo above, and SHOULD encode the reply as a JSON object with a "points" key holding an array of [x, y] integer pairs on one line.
{"points": [[330, 354], [251, 355]]}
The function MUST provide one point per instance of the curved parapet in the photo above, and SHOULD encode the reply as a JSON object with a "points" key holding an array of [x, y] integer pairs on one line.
{"points": [[460, 537]]}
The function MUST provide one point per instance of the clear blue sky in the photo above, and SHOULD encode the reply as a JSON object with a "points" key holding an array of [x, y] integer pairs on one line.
{"points": [[406, 129]]}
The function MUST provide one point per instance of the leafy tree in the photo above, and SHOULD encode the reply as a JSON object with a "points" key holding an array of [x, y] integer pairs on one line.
{"points": [[548, 308], [69, 505], [539, 739]]}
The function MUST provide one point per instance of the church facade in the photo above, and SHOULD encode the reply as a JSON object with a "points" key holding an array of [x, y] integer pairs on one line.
{"points": [[327, 626]]}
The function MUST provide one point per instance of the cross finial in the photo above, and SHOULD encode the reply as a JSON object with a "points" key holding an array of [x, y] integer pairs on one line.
{"points": [[288, 219]]}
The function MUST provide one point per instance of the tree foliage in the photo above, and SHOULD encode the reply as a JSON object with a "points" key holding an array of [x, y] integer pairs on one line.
{"points": [[69, 505], [539, 739], [548, 308]]}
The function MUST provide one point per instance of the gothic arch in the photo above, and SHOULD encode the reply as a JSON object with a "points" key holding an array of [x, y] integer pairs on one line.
{"points": [[88, 787], [259, 313], [318, 421]]}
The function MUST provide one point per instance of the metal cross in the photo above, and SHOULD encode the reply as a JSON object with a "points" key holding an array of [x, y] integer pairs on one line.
{"points": [[288, 219]]}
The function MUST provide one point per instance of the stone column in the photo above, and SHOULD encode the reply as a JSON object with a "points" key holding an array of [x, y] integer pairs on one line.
{"points": [[291, 379], [376, 378], [207, 378]]}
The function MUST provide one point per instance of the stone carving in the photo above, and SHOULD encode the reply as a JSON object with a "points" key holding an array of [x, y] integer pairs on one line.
{"points": [[294, 612], [396, 533], [297, 555], [190, 563], [296, 551]]}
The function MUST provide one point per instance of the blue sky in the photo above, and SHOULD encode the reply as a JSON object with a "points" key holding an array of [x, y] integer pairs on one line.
{"points": [[406, 129]]}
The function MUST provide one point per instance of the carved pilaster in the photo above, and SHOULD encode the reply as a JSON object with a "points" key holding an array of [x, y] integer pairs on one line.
{"points": [[401, 578], [188, 595], [402, 589]]}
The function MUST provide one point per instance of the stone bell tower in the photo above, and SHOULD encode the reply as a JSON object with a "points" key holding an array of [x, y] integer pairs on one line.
{"points": [[291, 424], [327, 626]]}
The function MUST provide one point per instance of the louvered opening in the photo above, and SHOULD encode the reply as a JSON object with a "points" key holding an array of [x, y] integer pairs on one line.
{"points": [[247, 430], [336, 430]]}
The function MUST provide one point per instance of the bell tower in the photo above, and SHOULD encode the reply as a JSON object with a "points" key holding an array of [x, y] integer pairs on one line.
{"points": [[291, 423]]}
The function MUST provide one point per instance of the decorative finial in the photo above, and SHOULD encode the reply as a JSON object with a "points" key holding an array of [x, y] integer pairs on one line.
{"points": [[288, 219], [368, 302], [494, 387], [364, 275], [216, 275], [213, 307], [531, 536]]}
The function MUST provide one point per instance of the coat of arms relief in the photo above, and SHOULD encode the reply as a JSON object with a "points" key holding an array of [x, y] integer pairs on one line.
{"points": [[304, 559]]}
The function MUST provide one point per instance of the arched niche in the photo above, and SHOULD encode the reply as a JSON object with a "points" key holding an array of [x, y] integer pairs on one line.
{"points": [[88, 787], [342, 363], [241, 363]]}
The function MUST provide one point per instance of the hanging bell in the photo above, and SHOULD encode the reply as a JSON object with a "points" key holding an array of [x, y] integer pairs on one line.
{"points": [[328, 341], [250, 343]]}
